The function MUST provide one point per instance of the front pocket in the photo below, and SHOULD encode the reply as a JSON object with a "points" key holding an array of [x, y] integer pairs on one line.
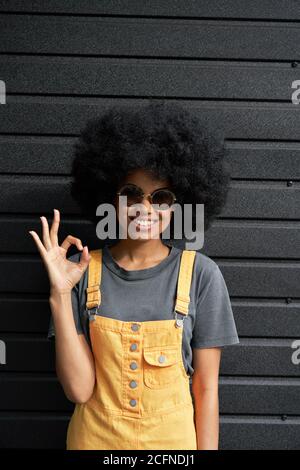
{"points": [[161, 366]]}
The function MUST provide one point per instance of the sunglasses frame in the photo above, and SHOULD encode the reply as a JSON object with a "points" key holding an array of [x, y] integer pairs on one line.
{"points": [[148, 196]]}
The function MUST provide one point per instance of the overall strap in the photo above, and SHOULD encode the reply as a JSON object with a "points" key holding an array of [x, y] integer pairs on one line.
{"points": [[184, 281], [94, 279]]}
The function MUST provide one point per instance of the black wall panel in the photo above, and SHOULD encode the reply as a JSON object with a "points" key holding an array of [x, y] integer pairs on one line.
{"points": [[233, 63]]}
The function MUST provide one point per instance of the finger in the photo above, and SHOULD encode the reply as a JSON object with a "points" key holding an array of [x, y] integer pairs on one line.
{"points": [[70, 240], [39, 244], [84, 259], [46, 237], [54, 228]]}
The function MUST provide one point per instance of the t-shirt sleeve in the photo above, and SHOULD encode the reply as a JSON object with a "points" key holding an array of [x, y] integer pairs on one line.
{"points": [[76, 314], [214, 324]]}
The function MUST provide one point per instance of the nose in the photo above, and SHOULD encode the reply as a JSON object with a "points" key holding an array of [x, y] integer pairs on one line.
{"points": [[147, 203]]}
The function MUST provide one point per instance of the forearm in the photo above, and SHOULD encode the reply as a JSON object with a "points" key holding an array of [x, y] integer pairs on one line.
{"points": [[74, 360], [206, 404]]}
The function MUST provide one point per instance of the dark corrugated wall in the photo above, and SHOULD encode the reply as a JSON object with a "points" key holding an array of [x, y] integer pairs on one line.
{"points": [[234, 63]]}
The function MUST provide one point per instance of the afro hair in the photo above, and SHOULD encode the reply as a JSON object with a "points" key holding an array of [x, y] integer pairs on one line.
{"points": [[164, 138]]}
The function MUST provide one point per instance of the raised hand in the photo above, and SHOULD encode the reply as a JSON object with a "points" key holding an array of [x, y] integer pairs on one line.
{"points": [[63, 274]]}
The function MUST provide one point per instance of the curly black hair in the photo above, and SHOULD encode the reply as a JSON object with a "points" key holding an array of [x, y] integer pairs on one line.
{"points": [[162, 137]]}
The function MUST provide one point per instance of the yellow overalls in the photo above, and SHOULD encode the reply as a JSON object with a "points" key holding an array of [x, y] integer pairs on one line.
{"points": [[141, 398]]}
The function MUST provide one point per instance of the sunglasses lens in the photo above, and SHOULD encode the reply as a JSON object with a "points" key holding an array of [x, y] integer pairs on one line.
{"points": [[163, 196], [132, 193], [135, 195]]}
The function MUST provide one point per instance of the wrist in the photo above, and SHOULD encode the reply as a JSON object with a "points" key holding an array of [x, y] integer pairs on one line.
{"points": [[60, 302], [58, 293]]}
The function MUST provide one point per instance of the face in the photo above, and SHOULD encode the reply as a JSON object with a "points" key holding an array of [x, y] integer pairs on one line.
{"points": [[142, 219]]}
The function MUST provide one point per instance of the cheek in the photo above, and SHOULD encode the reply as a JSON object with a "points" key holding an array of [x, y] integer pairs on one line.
{"points": [[165, 219], [121, 213]]}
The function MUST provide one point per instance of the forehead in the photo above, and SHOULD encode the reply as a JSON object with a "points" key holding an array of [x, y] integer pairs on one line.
{"points": [[145, 179]]}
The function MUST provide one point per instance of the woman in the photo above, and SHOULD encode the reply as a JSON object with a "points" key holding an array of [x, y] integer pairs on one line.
{"points": [[138, 320]]}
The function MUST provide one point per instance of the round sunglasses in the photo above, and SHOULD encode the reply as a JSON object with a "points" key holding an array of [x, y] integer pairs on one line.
{"points": [[135, 195]]}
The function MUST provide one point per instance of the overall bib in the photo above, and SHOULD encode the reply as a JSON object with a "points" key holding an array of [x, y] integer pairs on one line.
{"points": [[141, 398]]}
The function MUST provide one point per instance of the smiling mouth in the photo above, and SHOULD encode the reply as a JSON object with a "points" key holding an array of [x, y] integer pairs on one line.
{"points": [[143, 223]]}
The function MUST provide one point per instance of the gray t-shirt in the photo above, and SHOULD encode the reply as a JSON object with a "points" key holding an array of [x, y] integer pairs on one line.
{"points": [[149, 294]]}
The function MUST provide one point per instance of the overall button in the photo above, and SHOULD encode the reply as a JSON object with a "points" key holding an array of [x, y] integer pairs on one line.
{"points": [[132, 402], [161, 358], [133, 347], [135, 327], [133, 384], [133, 365]]}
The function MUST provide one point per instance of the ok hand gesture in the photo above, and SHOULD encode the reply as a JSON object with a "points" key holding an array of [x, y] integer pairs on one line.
{"points": [[63, 274]]}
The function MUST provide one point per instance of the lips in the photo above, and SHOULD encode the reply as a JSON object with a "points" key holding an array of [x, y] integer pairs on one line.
{"points": [[143, 222]]}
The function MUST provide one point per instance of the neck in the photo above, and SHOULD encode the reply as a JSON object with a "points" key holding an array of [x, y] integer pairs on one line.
{"points": [[140, 250]]}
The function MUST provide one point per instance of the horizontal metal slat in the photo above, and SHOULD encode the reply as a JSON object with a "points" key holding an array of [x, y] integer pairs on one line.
{"points": [[157, 37]]}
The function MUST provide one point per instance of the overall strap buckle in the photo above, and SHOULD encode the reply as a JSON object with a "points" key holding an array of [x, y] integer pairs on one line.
{"points": [[179, 321], [92, 312]]}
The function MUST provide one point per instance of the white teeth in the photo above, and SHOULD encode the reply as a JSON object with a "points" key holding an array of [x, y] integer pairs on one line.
{"points": [[143, 222]]}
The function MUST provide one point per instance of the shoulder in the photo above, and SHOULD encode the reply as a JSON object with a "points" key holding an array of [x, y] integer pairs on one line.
{"points": [[207, 275], [205, 271], [203, 265]]}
